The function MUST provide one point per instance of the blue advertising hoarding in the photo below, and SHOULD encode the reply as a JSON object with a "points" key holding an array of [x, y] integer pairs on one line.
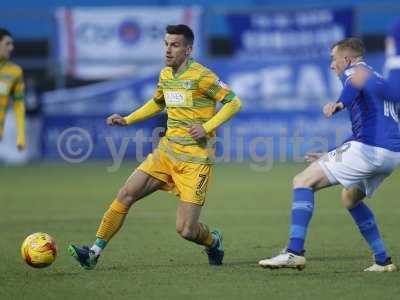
{"points": [[289, 33], [281, 118]]}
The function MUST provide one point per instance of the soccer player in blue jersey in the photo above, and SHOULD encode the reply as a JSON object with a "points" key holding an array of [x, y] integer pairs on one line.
{"points": [[359, 165]]}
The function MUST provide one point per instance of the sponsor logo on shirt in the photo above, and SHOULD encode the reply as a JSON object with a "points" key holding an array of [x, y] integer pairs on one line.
{"points": [[187, 84], [178, 98]]}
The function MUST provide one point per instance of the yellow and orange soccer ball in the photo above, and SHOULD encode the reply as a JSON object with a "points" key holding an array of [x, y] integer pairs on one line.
{"points": [[39, 250]]}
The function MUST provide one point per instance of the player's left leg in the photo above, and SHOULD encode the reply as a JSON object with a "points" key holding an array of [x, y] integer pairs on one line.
{"points": [[191, 181], [189, 227], [365, 220], [305, 184]]}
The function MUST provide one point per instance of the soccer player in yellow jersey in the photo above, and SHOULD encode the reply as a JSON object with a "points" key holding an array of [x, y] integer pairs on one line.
{"points": [[11, 86], [183, 159]]}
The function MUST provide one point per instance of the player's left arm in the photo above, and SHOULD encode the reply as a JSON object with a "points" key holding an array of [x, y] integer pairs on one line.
{"points": [[18, 95], [388, 88], [220, 92]]}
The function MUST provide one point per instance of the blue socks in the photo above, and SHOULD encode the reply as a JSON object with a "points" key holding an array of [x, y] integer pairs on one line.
{"points": [[302, 211], [365, 221]]}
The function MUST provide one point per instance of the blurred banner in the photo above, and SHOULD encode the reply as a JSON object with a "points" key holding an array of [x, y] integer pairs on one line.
{"points": [[74, 124], [289, 33], [107, 42], [281, 116]]}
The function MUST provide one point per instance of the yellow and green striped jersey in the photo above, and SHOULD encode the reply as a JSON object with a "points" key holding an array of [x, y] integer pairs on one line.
{"points": [[11, 86], [190, 97]]}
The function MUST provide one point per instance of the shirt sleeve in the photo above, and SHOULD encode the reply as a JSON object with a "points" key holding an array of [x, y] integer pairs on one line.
{"points": [[158, 96], [224, 114], [18, 94], [18, 88], [146, 111], [214, 88], [348, 94]]}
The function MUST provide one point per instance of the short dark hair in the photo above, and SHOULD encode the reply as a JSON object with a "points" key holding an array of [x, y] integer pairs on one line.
{"points": [[183, 30], [353, 44], [3, 33]]}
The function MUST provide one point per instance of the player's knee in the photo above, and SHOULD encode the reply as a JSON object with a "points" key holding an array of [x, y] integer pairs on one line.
{"points": [[348, 200], [300, 181]]}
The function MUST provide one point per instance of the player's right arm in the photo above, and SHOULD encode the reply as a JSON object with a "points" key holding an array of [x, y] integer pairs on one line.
{"points": [[351, 90], [149, 109], [145, 112], [346, 98]]}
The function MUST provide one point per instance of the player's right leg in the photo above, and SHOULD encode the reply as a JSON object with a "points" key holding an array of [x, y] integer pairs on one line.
{"points": [[189, 228], [305, 184], [138, 185], [365, 221]]}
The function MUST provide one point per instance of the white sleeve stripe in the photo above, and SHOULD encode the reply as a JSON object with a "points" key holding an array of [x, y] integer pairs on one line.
{"points": [[347, 79]]}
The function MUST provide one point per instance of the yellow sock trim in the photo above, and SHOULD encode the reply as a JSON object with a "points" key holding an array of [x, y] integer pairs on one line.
{"points": [[112, 220], [204, 236], [119, 207], [208, 241]]}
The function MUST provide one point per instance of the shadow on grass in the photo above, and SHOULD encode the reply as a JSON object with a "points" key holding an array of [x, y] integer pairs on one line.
{"points": [[336, 258]]}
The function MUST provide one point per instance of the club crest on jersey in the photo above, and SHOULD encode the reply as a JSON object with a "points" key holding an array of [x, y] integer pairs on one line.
{"points": [[187, 84]]}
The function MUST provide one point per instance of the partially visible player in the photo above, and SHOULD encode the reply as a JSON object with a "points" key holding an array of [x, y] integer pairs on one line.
{"points": [[390, 89], [359, 165], [11, 87], [392, 65], [184, 157]]}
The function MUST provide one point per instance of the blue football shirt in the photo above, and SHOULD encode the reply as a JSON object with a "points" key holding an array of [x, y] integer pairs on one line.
{"points": [[374, 119]]}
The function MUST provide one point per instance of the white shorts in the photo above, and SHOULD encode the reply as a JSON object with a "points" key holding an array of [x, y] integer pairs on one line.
{"points": [[355, 164]]}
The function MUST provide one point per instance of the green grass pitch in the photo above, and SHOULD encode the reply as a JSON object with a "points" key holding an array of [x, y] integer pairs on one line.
{"points": [[148, 260]]}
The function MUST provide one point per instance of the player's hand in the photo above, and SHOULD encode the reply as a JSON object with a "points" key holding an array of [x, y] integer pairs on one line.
{"points": [[332, 108], [116, 119], [313, 156], [359, 77], [21, 147], [197, 131]]}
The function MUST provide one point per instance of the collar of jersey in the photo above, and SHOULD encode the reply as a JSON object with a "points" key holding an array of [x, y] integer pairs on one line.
{"points": [[188, 64], [344, 75]]}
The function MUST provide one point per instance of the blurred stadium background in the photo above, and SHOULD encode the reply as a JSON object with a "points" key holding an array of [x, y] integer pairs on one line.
{"points": [[86, 59]]}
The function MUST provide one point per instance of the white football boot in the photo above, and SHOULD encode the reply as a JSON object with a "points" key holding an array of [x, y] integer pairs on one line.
{"points": [[284, 260], [381, 269]]}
